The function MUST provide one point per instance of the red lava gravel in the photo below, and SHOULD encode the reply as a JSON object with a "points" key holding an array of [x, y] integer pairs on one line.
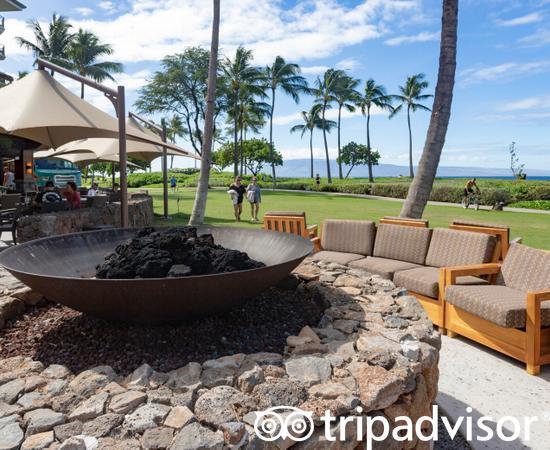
{"points": [[55, 334]]}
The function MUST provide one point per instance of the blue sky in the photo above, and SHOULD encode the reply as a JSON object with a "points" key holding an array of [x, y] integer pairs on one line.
{"points": [[502, 92]]}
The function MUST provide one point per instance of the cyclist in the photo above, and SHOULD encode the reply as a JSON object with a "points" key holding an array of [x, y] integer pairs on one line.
{"points": [[468, 190]]}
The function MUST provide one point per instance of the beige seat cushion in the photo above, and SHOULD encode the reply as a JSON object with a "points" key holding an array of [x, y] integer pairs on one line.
{"points": [[457, 248], [402, 243], [499, 304], [425, 280], [348, 236], [382, 266], [337, 257], [525, 269]]}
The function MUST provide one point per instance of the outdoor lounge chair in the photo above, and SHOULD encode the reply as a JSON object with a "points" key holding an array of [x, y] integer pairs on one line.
{"points": [[8, 221], [9, 201], [396, 248], [291, 222], [344, 241], [501, 232], [448, 248], [512, 316]]}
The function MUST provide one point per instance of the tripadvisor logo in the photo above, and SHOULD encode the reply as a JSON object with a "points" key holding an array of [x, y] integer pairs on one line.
{"points": [[290, 423]]}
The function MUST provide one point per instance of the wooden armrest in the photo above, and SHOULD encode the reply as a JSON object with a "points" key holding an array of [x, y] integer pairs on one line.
{"points": [[316, 241], [541, 296], [312, 228], [452, 273]]}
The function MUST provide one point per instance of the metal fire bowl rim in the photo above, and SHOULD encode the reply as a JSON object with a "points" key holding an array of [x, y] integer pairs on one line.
{"points": [[15, 248]]}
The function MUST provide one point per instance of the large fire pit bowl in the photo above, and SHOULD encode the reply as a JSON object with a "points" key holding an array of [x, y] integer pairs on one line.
{"points": [[58, 268]]}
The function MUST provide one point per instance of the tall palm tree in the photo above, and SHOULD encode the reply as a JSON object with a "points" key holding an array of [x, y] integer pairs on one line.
{"points": [[312, 119], [52, 44], [421, 187], [174, 130], [199, 207], [346, 97], [411, 96], [240, 74], [325, 88], [284, 76], [84, 51], [374, 95]]}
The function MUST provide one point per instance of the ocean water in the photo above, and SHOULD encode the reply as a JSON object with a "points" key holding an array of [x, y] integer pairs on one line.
{"points": [[533, 178]]}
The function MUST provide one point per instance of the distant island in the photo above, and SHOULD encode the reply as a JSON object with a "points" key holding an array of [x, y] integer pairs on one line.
{"points": [[299, 168]]}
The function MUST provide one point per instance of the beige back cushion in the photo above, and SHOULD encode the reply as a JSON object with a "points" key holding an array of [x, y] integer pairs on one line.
{"points": [[402, 242], [525, 269], [456, 248], [349, 236]]}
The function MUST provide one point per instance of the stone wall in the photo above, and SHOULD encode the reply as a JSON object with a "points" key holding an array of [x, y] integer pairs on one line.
{"points": [[140, 209], [374, 353]]}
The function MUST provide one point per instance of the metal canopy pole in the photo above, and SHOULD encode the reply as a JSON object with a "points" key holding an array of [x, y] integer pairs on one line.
{"points": [[117, 98], [161, 130]]}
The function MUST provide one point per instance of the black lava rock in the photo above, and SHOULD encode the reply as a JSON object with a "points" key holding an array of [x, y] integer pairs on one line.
{"points": [[175, 252]]}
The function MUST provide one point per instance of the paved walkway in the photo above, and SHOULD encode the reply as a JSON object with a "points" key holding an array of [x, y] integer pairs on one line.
{"points": [[493, 385], [377, 197]]}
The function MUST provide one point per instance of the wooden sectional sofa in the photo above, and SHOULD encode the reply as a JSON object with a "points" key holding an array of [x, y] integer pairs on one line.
{"points": [[458, 277]]}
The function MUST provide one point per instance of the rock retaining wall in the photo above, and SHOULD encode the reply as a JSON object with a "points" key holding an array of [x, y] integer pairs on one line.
{"points": [[374, 353], [140, 209]]}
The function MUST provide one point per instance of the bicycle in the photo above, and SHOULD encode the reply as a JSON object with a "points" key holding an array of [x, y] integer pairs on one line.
{"points": [[471, 199]]}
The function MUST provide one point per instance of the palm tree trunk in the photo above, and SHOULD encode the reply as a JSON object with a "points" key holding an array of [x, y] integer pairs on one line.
{"points": [[411, 170], [235, 136], [421, 187], [241, 150], [329, 178], [349, 171], [371, 178], [271, 136], [339, 162], [82, 91], [172, 161], [199, 207], [311, 149]]}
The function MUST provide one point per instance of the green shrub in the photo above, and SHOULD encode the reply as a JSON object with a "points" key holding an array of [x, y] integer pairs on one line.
{"points": [[447, 194], [360, 188], [490, 197], [389, 190], [532, 204], [329, 188]]}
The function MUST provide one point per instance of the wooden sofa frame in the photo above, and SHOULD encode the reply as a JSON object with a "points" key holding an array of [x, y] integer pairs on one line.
{"points": [[501, 233], [405, 222], [530, 346], [293, 225]]}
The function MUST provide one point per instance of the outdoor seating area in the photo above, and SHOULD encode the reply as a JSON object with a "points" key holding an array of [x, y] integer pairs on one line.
{"points": [[458, 277]]}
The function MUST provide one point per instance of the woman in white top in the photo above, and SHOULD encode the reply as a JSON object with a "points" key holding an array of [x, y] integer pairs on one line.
{"points": [[9, 178], [254, 196]]}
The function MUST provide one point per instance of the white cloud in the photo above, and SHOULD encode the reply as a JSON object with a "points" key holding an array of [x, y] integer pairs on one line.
{"points": [[525, 104], [310, 30], [350, 64], [314, 70], [521, 20], [424, 36], [331, 114], [503, 72], [83, 11], [539, 38]]}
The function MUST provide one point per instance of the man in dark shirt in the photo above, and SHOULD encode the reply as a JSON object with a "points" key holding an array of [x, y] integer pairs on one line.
{"points": [[48, 196], [239, 188]]}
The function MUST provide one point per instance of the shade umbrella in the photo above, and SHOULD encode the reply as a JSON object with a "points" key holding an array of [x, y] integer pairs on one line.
{"points": [[80, 158], [39, 108]]}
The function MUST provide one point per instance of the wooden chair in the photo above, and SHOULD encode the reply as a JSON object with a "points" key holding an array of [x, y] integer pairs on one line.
{"points": [[9, 201], [293, 223], [8, 220], [501, 232], [421, 223], [507, 317]]}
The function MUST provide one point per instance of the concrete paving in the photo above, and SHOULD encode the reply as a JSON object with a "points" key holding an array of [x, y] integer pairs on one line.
{"points": [[497, 386]]}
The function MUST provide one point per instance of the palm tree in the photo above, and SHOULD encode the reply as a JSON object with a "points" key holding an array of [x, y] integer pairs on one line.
{"points": [[84, 51], [324, 91], [312, 120], [411, 96], [52, 45], [240, 74], [346, 97], [421, 187], [174, 129], [199, 207], [374, 95], [284, 76]]}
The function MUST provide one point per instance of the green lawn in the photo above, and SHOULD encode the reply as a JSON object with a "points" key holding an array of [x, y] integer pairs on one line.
{"points": [[534, 228]]}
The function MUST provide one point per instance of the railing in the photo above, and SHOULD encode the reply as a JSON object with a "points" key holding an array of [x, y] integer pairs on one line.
{"points": [[2, 27], [2, 53]]}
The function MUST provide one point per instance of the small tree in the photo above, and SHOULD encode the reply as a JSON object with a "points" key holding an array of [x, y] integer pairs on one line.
{"points": [[257, 153], [223, 156], [515, 166], [354, 154]]}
